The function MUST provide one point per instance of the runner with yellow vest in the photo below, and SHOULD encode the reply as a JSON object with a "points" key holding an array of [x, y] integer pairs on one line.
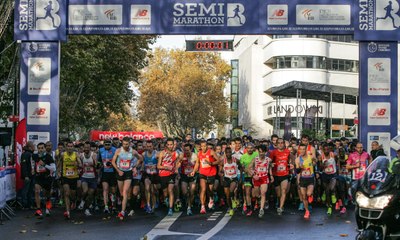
{"points": [[68, 171]]}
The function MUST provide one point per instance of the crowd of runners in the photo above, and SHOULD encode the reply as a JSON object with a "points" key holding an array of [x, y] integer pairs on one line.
{"points": [[242, 174]]}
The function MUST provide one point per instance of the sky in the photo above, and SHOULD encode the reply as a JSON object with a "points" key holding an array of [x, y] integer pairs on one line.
{"points": [[178, 41]]}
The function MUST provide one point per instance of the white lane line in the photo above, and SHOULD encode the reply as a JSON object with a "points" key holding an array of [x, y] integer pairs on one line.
{"points": [[220, 225], [161, 229]]}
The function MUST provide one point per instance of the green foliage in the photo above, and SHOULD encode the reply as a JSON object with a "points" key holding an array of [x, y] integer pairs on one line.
{"points": [[96, 72], [9, 61]]}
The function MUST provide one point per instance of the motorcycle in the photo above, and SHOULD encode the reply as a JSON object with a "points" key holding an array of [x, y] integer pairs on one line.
{"points": [[377, 197]]}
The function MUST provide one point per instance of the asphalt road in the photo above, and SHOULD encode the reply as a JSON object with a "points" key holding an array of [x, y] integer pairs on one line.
{"points": [[213, 225]]}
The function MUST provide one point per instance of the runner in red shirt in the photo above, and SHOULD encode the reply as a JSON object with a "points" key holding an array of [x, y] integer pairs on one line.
{"points": [[280, 161], [260, 169], [168, 164], [207, 162]]}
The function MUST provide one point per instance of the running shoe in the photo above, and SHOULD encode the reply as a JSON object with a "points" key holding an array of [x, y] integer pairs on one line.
{"points": [[211, 204], [178, 206], [256, 206], [170, 212], [131, 212], [67, 215], [301, 207], [234, 204], [337, 206], [87, 212], [221, 202], [203, 210], [38, 213], [147, 208], [49, 205], [279, 211], [340, 202], [323, 197], [343, 211], [307, 215], [266, 207], [244, 209], [121, 215], [189, 212], [329, 212], [106, 210], [166, 202], [231, 212], [81, 205], [249, 212], [61, 202], [310, 199], [47, 212], [333, 198], [261, 213]]}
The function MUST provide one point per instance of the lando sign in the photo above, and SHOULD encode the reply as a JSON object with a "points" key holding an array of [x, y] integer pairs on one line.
{"points": [[52, 20]]}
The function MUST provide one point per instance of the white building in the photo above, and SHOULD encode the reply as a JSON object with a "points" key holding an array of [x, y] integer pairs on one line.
{"points": [[279, 73]]}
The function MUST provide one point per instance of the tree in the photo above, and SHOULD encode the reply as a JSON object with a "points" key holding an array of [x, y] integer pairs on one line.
{"points": [[184, 90], [96, 73], [9, 60]]}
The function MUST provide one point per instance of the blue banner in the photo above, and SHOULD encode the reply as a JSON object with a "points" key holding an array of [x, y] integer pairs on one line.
{"points": [[39, 89], [210, 17], [40, 20], [378, 93], [377, 20]]}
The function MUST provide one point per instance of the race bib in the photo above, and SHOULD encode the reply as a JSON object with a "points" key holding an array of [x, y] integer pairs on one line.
{"points": [[188, 170], [204, 164], [261, 169], [40, 168], [281, 168], [69, 172], [151, 169], [329, 170], [89, 169], [306, 172], [124, 164]]}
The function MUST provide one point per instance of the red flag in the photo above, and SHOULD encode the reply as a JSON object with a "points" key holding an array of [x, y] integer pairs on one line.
{"points": [[20, 141]]}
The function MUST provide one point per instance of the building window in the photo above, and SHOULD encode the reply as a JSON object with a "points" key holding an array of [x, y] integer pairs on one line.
{"points": [[316, 62]]}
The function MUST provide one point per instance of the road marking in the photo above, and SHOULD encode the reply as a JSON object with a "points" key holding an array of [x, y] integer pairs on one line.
{"points": [[214, 216], [220, 225], [161, 229]]}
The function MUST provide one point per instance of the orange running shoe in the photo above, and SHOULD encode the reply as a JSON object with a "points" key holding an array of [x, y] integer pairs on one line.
{"points": [[310, 199], [49, 205], [307, 214]]}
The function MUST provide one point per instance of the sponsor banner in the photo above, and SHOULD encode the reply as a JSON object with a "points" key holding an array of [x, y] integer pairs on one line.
{"points": [[40, 20], [375, 20], [383, 138], [103, 135], [10, 183], [112, 17], [308, 17], [210, 16], [3, 195], [39, 87], [378, 93]]}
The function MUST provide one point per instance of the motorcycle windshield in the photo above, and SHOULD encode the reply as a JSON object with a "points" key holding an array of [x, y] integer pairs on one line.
{"points": [[377, 177]]}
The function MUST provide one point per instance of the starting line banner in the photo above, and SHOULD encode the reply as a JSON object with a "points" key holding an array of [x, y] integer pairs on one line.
{"points": [[43, 20]]}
